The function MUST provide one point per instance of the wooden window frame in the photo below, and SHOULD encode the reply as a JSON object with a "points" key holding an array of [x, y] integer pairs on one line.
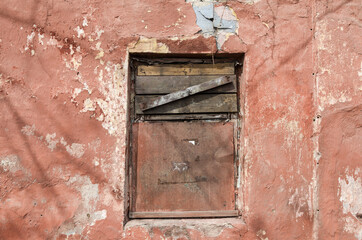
{"points": [[217, 117]]}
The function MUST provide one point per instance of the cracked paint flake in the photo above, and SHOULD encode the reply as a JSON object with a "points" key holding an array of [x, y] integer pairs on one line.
{"points": [[28, 130], [52, 142], [10, 163], [88, 105], [218, 21], [80, 32], [76, 150]]}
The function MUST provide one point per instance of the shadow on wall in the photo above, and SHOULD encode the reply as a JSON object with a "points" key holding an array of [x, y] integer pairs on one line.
{"points": [[18, 143]]}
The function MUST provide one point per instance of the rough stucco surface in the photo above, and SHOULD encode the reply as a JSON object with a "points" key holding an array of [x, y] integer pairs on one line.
{"points": [[63, 115]]}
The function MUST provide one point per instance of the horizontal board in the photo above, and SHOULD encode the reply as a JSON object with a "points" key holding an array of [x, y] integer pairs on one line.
{"points": [[168, 84], [185, 117], [186, 69], [200, 103], [186, 214]]}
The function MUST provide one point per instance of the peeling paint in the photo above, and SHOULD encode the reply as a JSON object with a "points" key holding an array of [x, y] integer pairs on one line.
{"points": [[10, 163], [218, 21], [351, 193], [76, 150], [85, 214], [148, 45], [28, 130], [354, 227], [52, 142]]}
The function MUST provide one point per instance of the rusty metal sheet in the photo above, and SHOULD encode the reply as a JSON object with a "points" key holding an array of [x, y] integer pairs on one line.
{"points": [[183, 166]]}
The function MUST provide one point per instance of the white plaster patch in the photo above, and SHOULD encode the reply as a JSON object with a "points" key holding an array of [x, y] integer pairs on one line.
{"points": [[293, 129], [351, 194], [85, 214], [113, 106], [80, 32], [85, 22], [52, 142], [354, 227], [211, 228], [262, 234], [40, 38], [89, 105], [10, 163], [94, 145], [29, 41], [298, 200], [100, 53], [99, 215], [351, 199], [28, 130], [76, 150]]}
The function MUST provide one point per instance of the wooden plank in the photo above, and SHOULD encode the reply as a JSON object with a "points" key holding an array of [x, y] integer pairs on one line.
{"points": [[186, 69], [184, 166], [168, 84], [185, 117], [200, 103], [185, 214], [174, 96]]}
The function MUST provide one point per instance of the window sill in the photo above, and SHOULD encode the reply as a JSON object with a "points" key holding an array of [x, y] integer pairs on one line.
{"points": [[216, 225]]}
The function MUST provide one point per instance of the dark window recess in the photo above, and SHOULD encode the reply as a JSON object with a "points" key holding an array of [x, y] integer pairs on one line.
{"points": [[183, 137]]}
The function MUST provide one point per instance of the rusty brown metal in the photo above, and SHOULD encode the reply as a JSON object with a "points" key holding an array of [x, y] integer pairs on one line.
{"points": [[183, 166], [186, 92]]}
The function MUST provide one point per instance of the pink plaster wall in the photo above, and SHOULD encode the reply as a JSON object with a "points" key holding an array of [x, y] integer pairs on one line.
{"points": [[63, 116]]}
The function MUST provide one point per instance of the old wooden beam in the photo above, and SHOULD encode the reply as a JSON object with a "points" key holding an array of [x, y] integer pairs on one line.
{"points": [[185, 214], [186, 92], [185, 117], [199, 103], [169, 84], [186, 69]]}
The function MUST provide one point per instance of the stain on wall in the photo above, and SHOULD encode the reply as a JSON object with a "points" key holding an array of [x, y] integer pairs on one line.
{"points": [[63, 115]]}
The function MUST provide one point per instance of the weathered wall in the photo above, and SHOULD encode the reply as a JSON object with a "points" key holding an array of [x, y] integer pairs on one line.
{"points": [[63, 101]]}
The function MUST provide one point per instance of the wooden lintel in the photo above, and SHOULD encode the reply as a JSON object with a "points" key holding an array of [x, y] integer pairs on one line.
{"points": [[186, 92], [186, 69], [184, 214]]}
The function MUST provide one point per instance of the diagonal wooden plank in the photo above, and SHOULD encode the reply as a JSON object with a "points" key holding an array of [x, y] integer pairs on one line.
{"points": [[186, 92], [198, 103], [168, 84]]}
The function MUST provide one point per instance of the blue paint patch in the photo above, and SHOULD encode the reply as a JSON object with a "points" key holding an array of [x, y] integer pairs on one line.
{"points": [[204, 16], [215, 21]]}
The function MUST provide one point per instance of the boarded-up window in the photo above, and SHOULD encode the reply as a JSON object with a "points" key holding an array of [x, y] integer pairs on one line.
{"points": [[183, 138]]}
